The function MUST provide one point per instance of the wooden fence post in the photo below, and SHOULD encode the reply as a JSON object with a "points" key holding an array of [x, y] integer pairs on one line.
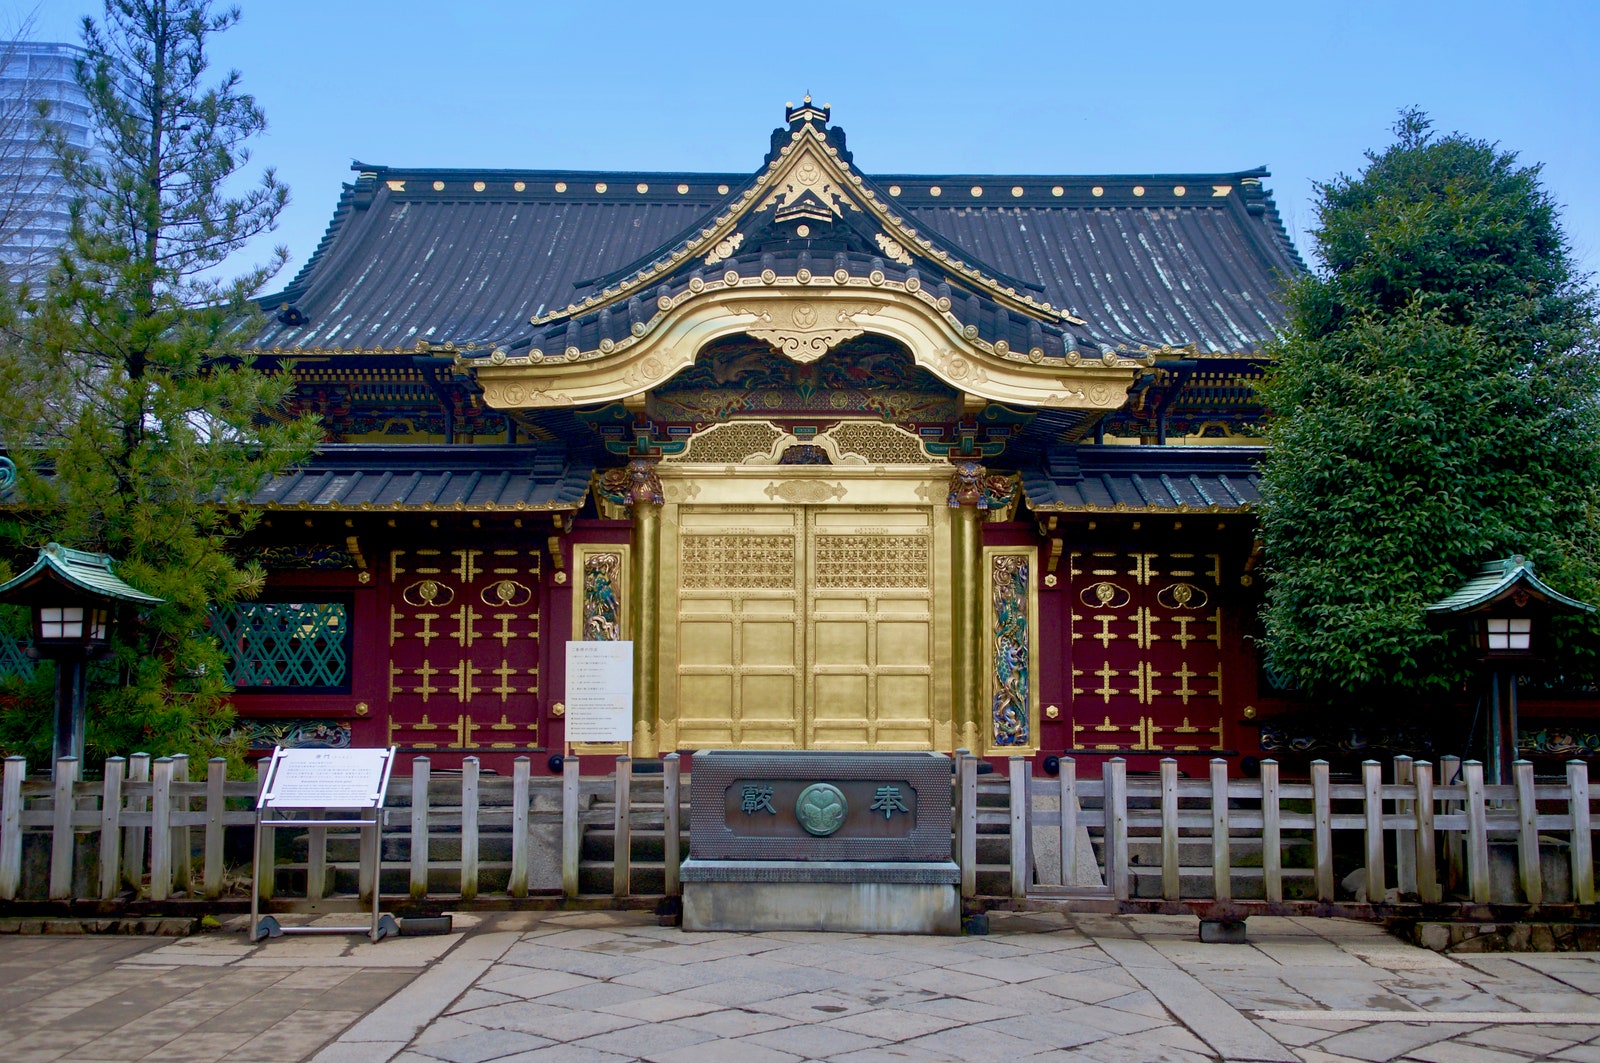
{"points": [[369, 857], [622, 831], [1171, 886], [1116, 805], [956, 762], [1477, 834], [1069, 820], [1581, 842], [1427, 848], [316, 856], [1221, 867], [133, 837], [111, 828], [1322, 830], [216, 807], [1527, 833], [571, 828], [671, 828], [1453, 845], [517, 884], [183, 857], [1271, 834], [969, 825], [469, 828], [421, 775], [1020, 778], [1372, 806], [1405, 850], [267, 846], [11, 828], [161, 830], [62, 839]]}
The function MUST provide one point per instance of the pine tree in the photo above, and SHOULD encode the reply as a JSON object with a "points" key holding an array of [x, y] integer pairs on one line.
{"points": [[1436, 401], [133, 409]]}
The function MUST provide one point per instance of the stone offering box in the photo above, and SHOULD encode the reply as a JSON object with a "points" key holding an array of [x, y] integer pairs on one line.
{"points": [[811, 840]]}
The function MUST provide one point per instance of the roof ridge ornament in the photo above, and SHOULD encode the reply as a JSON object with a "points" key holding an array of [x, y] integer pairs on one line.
{"points": [[806, 112]]}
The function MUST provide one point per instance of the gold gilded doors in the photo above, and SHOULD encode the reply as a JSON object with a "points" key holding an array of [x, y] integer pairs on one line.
{"points": [[806, 627], [740, 630]]}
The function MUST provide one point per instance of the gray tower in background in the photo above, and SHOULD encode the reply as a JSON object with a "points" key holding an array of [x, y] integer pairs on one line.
{"points": [[33, 204]]}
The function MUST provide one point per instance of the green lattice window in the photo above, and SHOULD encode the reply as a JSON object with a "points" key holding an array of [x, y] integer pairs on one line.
{"points": [[14, 660], [285, 645]]}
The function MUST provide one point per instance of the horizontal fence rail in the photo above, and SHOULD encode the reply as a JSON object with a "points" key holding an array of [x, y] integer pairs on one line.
{"points": [[1425, 833]]}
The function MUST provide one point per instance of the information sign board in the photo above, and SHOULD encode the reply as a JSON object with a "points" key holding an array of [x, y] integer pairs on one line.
{"points": [[327, 778], [599, 692]]}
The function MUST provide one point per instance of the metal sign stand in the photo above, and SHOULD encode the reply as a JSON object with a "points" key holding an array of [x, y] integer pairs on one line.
{"points": [[319, 780]]}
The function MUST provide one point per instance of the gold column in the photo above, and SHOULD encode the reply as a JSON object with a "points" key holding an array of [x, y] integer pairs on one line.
{"points": [[966, 548], [645, 601]]}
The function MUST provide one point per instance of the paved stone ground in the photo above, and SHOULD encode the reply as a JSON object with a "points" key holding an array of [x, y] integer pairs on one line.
{"points": [[594, 986]]}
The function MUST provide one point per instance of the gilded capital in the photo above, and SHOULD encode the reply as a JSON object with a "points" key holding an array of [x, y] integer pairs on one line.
{"points": [[966, 486], [643, 483]]}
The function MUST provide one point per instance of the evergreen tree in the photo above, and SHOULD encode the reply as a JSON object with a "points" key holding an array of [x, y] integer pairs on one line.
{"points": [[1436, 402], [133, 410]]}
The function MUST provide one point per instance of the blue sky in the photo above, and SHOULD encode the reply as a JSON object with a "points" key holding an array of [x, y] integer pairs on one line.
{"points": [[932, 87]]}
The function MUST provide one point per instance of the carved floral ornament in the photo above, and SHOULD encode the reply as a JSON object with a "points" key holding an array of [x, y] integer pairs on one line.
{"points": [[807, 334], [804, 317]]}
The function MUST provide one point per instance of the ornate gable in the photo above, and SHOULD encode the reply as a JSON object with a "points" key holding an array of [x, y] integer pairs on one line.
{"points": [[808, 255]]}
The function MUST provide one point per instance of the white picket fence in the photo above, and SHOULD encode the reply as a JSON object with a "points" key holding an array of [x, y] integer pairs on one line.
{"points": [[1440, 833], [146, 815]]}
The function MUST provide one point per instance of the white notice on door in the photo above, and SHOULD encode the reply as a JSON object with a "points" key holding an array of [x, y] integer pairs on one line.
{"points": [[327, 778], [599, 691]]}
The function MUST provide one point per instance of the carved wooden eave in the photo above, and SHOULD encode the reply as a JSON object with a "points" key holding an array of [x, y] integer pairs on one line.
{"points": [[803, 316]]}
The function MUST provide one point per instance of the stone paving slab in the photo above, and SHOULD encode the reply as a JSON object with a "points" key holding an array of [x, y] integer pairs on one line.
{"points": [[606, 986]]}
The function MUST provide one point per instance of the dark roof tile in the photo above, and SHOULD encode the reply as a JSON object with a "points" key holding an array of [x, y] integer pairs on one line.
{"points": [[403, 262], [1144, 479]]}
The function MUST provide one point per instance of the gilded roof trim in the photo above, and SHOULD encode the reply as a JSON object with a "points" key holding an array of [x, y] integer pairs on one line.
{"points": [[734, 304], [789, 161]]}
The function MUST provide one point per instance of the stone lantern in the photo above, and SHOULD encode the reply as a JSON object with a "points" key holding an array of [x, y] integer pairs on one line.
{"points": [[1508, 608], [74, 596]]}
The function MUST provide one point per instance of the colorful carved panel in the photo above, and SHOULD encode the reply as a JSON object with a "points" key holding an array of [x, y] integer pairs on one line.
{"points": [[1012, 661], [1146, 652], [296, 734], [746, 376], [602, 599], [464, 632]]}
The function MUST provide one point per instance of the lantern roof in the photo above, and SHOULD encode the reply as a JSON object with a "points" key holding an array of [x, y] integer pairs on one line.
{"points": [[1495, 582], [63, 572]]}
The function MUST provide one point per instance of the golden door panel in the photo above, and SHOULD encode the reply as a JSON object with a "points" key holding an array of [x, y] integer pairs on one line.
{"points": [[805, 627], [739, 632], [870, 621]]}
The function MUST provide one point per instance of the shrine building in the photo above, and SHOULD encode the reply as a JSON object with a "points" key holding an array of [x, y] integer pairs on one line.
{"points": [[855, 461]]}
